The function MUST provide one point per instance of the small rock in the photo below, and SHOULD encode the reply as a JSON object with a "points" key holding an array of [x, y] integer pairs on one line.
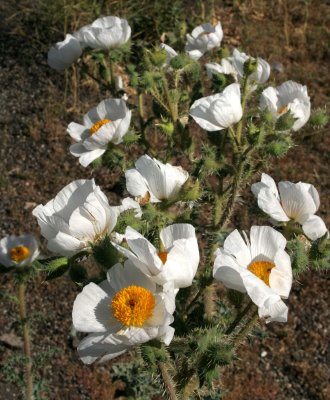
{"points": [[11, 340], [264, 353]]}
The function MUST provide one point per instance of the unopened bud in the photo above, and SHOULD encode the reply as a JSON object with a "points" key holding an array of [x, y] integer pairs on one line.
{"points": [[285, 122], [180, 61], [280, 147], [158, 57], [191, 190], [319, 118], [166, 127], [250, 66]]}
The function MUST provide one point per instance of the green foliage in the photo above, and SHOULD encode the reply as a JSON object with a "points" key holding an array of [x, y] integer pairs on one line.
{"points": [[236, 298], [140, 383], [279, 146]]}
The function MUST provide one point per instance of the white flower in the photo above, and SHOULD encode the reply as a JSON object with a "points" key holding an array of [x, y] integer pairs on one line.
{"points": [[170, 53], [203, 38], [108, 122], [261, 268], [220, 110], [65, 53], [177, 260], [224, 68], [263, 69], [79, 215], [125, 310], [18, 251], [290, 96], [104, 33], [296, 201], [153, 181]]}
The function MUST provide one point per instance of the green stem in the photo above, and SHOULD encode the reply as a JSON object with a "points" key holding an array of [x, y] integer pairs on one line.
{"points": [[244, 98], [239, 318], [173, 107], [112, 77], [27, 342], [167, 380], [247, 328]]}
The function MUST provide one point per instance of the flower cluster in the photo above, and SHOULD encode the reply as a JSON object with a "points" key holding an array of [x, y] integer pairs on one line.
{"points": [[152, 283]]}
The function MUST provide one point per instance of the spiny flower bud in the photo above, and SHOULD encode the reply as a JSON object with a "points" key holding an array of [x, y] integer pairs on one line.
{"points": [[285, 122], [158, 57], [166, 127], [280, 147], [250, 66], [180, 61], [191, 190], [319, 118]]}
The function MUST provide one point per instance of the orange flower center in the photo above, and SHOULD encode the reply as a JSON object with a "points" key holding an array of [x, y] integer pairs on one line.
{"points": [[262, 270], [133, 305], [98, 125], [19, 253], [163, 256], [283, 110]]}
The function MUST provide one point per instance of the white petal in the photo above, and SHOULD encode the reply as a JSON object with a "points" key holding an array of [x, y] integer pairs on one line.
{"points": [[77, 131], [228, 271], [235, 245], [85, 156], [297, 203], [97, 345], [120, 277], [274, 311], [175, 232], [135, 183], [65, 244], [280, 279], [63, 54], [270, 204], [314, 227], [265, 242], [91, 311]]}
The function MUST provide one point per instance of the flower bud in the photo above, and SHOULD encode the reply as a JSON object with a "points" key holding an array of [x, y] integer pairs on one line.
{"points": [[285, 122], [250, 66], [319, 118], [158, 57], [191, 190], [166, 127], [280, 147], [180, 61]]}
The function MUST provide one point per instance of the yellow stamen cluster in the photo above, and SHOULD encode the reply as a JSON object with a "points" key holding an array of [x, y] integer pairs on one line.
{"points": [[163, 256], [133, 305], [19, 253], [262, 270], [98, 125]]}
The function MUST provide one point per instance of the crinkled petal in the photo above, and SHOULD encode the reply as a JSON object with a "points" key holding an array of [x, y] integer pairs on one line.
{"points": [[314, 227]]}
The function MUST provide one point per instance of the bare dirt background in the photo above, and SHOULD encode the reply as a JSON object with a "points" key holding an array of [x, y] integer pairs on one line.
{"points": [[291, 361]]}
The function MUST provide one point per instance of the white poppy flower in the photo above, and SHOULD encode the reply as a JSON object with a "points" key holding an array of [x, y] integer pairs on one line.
{"points": [[224, 68], [176, 262], [125, 310], [290, 96], [104, 33], [108, 122], [18, 251], [79, 215], [203, 38], [170, 53], [293, 201], [262, 73], [261, 268], [65, 53], [154, 181], [219, 111]]}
